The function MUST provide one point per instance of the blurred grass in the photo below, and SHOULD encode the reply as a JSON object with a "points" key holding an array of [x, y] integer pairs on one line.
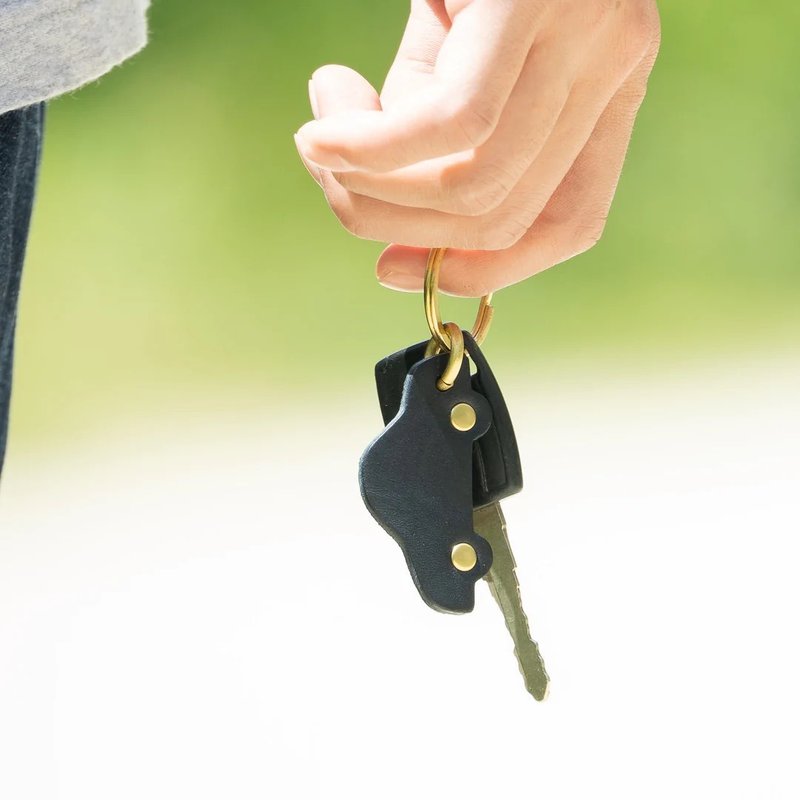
{"points": [[181, 252]]}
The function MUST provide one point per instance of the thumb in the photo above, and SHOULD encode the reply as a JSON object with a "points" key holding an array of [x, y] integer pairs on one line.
{"points": [[337, 89], [333, 90]]}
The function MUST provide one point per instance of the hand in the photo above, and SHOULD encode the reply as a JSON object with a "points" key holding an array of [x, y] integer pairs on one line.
{"points": [[500, 132]]}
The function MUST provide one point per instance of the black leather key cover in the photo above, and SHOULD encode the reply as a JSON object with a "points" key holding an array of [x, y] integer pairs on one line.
{"points": [[416, 480], [497, 472]]}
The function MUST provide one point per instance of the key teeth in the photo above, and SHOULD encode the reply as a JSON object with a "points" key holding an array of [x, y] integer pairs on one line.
{"points": [[504, 588], [539, 685]]}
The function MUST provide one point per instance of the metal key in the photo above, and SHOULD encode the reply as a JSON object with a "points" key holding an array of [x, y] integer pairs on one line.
{"points": [[490, 523], [397, 486]]}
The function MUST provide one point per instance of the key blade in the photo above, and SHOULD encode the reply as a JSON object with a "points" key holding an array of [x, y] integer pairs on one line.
{"points": [[490, 523]]}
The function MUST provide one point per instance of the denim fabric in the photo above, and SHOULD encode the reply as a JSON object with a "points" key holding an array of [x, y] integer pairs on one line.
{"points": [[20, 147]]}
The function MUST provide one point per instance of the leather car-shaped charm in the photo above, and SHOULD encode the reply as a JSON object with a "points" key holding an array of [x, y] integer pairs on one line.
{"points": [[417, 481]]}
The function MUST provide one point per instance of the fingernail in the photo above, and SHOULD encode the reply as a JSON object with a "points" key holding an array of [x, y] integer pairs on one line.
{"points": [[332, 162], [400, 280], [312, 98]]}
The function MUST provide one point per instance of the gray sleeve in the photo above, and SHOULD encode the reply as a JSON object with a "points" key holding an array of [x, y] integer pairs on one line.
{"points": [[48, 47]]}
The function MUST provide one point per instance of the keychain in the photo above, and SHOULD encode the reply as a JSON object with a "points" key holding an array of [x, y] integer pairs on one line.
{"points": [[434, 478]]}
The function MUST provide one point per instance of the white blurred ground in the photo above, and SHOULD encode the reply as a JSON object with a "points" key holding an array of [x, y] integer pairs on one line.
{"points": [[202, 608]]}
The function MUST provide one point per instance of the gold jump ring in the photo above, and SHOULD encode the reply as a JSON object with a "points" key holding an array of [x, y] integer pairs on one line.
{"points": [[431, 298], [448, 377]]}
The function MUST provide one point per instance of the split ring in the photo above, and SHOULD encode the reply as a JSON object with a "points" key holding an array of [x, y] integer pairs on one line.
{"points": [[431, 298]]}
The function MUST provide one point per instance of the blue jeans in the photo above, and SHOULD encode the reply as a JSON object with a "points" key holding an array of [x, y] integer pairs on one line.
{"points": [[20, 147]]}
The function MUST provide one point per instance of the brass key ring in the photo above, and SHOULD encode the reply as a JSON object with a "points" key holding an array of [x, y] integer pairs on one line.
{"points": [[431, 297]]}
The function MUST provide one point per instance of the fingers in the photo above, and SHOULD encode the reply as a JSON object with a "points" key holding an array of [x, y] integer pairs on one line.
{"points": [[476, 182], [331, 90], [554, 106], [414, 63], [455, 110], [528, 188], [313, 170], [572, 221], [339, 89], [487, 200], [501, 227]]}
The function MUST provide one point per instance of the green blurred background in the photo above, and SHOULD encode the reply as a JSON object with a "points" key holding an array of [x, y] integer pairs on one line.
{"points": [[181, 257]]}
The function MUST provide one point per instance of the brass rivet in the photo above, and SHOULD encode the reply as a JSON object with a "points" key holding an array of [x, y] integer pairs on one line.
{"points": [[464, 557], [462, 417]]}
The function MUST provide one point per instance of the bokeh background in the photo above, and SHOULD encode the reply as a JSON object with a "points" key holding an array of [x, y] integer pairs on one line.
{"points": [[179, 252], [193, 600]]}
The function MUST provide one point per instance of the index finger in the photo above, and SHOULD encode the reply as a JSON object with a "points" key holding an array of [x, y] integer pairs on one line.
{"points": [[476, 69]]}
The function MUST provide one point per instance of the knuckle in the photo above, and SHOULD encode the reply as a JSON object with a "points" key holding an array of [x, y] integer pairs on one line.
{"points": [[502, 233], [599, 11], [477, 189], [511, 232], [487, 190], [643, 25], [587, 230], [635, 31], [471, 121]]}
